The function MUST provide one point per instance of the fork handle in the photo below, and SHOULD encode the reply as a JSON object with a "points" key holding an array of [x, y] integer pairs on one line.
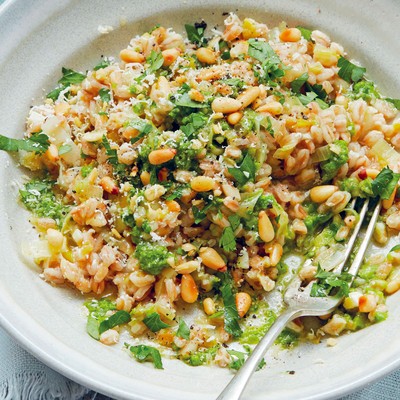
{"points": [[235, 387]]}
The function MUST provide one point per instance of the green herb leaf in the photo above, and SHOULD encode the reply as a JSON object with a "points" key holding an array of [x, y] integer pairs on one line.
{"points": [[234, 82], [271, 65], [98, 322], [385, 182], [328, 281], [155, 60], [298, 83], [105, 95], [395, 248], [38, 143], [227, 240], [102, 64], [234, 221], [239, 360], [143, 126], [231, 316], [306, 33], [64, 149], [192, 124], [113, 156], [71, 77], [349, 71], [262, 51], [154, 323], [245, 172], [146, 353], [176, 192], [183, 330], [395, 102], [118, 318], [184, 100], [195, 33], [153, 258]]}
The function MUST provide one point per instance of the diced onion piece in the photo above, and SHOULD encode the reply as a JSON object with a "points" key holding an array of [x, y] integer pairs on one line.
{"points": [[321, 154], [385, 153]]}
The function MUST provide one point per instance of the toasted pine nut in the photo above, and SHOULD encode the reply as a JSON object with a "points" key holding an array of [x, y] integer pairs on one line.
{"points": [[109, 185], [265, 228], [290, 35], [319, 194], [275, 253], [173, 205], [187, 267], [225, 105], [212, 259], [372, 172], [52, 153], [206, 55], [189, 248], [170, 55], [248, 96], [161, 156], [130, 133], [131, 56], [367, 303], [55, 239], [243, 303], [273, 107], [196, 95], [234, 118], [209, 306], [189, 290], [386, 204], [202, 183], [231, 191], [145, 177]]}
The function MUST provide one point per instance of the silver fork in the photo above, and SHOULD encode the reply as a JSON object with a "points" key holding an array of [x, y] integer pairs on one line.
{"points": [[300, 303]]}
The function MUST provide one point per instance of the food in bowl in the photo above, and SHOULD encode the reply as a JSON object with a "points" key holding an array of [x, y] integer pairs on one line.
{"points": [[182, 177]]}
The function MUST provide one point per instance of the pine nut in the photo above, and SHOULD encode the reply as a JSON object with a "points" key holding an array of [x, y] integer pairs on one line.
{"points": [[189, 290], [386, 204], [52, 153], [243, 303], [170, 55], [109, 185], [265, 228], [161, 156], [211, 259], [371, 172], [145, 178], [187, 267], [131, 56], [209, 306], [273, 107], [275, 253], [206, 55], [202, 183], [319, 194], [248, 96], [173, 205], [234, 118], [55, 239], [225, 105], [290, 35], [367, 303]]}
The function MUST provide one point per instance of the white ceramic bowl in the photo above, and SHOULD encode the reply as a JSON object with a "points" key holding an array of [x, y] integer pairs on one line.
{"points": [[37, 38]]}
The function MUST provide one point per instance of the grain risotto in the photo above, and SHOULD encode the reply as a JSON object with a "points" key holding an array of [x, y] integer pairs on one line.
{"points": [[184, 176]]}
